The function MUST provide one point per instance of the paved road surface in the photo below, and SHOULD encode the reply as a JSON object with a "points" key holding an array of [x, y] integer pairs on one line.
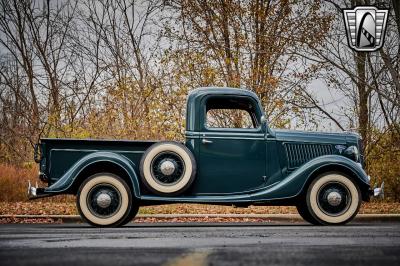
{"points": [[198, 244]]}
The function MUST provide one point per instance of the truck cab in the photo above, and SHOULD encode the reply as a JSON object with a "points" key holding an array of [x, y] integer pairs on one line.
{"points": [[226, 130]]}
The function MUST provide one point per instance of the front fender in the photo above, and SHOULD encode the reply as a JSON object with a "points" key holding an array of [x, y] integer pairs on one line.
{"points": [[68, 179], [295, 182]]}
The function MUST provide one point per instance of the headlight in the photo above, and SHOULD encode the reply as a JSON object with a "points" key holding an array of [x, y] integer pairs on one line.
{"points": [[352, 153]]}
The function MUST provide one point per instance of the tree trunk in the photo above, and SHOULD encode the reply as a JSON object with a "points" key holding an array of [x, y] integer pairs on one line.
{"points": [[363, 95]]}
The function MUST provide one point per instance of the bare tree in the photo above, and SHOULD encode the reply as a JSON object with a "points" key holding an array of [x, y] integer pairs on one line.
{"points": [[128, 42], [364, 79], [245, 44], [35, 40]]}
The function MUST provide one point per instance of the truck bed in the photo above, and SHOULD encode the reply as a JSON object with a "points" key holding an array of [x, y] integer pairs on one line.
{"points": [[61, 154]]}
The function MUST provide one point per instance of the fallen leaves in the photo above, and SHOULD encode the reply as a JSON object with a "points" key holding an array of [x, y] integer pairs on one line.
{"points": [[69, 208], [14, 220], [37, 208]]}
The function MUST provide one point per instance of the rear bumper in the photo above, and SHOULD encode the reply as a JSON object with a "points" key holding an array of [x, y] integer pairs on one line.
{"points": [[35, 192]]}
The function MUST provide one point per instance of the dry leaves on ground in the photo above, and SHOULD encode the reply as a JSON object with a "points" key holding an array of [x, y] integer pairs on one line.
{"points": [[52, 208]]}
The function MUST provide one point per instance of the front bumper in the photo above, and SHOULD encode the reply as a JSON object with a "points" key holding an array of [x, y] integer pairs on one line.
{"points": [[378, 192]]}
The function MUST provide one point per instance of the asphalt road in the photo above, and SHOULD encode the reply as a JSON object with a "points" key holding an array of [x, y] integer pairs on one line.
{"points": [[200, 244]]}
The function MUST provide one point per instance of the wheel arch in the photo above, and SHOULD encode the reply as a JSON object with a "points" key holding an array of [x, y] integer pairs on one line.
{"points": [[93, 163], [101, 167], [338, 168]]}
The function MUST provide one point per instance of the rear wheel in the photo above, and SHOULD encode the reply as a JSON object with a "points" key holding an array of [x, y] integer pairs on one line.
{"points": [[332, 198], [132, 214], [104, 200]]}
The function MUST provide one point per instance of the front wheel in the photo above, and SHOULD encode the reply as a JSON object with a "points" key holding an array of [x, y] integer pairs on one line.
{"points": [[332, 198], [305, 213], [104, 200]]}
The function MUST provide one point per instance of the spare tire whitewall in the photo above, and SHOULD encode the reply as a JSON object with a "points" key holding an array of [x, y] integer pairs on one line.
{"points": [[333, 198], [104, 200], [167, 168]]}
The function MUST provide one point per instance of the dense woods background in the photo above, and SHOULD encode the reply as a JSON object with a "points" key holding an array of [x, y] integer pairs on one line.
{"points": [[122, 69]]}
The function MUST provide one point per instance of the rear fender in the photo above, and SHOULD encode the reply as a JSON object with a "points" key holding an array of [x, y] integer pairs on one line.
{"points": [[64, 184]]}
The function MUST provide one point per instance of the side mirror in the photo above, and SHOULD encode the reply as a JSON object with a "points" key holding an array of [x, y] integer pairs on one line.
{"points": [[263, 119]]}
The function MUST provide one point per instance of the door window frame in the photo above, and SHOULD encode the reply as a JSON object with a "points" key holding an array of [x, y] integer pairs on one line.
{"points": [[257, 112]]}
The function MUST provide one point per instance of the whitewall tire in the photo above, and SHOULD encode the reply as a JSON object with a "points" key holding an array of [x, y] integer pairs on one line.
{"points": [[104, 200], [167, 168], [333, 198]]}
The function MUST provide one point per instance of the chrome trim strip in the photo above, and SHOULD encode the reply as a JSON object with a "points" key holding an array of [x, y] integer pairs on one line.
{"points": [[192, 137], [225, 135]]}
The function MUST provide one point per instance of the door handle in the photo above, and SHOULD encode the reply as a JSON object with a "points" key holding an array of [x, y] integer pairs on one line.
{"points": [[206, 141]]}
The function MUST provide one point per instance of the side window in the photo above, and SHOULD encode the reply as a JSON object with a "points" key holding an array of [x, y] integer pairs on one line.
{"points": [[228, 112], [229, 118]]}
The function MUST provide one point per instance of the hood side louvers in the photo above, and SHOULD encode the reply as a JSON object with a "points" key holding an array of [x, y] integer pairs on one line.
{"points": [[298, 154]]}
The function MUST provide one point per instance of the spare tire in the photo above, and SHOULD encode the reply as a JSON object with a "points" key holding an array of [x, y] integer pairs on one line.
{"points": [[167, 168]]}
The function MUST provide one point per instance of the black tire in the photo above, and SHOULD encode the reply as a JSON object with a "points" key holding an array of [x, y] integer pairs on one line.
{"points": [[132, 214], [104, 200], [167, 168], [305, 214], [333, 199]]}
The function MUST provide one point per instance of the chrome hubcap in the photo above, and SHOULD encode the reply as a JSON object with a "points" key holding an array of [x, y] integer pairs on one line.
{"points": [[167, 167], [334, 198], [103, 200]]}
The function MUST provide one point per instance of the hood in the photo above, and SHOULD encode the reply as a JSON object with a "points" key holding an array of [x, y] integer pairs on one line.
{"points": [[299, 147], [345, 138]]}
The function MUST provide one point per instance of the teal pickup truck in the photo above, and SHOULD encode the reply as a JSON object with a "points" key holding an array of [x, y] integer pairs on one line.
{"points": [[230, 157]]}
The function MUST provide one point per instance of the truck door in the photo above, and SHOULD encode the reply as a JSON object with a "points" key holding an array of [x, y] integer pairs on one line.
{"points": [[232, 147]]}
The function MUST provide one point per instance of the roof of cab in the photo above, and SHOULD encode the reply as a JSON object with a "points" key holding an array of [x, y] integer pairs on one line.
{"points": [[195, 97], [199, 92]]}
